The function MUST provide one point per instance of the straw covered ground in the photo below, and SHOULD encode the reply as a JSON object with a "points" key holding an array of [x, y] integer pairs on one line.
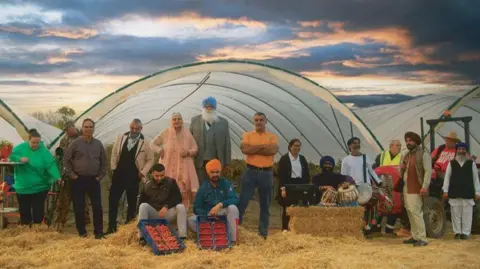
{"points": [[42, 248]]}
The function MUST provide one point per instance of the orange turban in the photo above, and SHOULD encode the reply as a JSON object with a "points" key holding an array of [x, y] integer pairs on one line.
{"points": [[213, 165]]}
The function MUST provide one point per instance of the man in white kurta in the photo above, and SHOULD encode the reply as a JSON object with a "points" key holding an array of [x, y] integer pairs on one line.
{"points": [[461, 186], [359, 167]]}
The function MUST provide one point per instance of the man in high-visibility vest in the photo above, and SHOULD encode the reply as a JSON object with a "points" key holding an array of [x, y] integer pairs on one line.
{"points": [[387, 158], [390, 157]]}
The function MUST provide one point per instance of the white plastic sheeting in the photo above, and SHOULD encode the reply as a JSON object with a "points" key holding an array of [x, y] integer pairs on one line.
{"points": [[15, 124], [9, 133], [389, 122], [295, 106]]}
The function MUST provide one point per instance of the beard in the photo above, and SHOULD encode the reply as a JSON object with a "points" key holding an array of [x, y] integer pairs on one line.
{"points": [[209, 116], [411, 147], [327, 169], [214, 179], [461, 157]]}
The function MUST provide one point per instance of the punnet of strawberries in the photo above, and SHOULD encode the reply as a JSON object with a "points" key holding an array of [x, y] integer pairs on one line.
{"points": [[162, 237]]}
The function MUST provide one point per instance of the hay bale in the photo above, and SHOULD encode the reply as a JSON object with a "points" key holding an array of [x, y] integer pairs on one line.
{"points": [[327, 221]]}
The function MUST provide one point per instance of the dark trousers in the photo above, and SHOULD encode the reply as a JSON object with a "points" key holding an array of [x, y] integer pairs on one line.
{"points": [[32, 207], [263, 179], [91, 187], [285, 218], [120, 184]]}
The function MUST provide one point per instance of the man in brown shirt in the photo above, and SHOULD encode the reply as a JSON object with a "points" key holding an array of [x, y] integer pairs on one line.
{"points": [[85, 164], [416, 171]]}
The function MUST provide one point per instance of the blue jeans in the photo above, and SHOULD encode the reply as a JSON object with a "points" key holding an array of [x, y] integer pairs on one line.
{"points": [[251, 179]]}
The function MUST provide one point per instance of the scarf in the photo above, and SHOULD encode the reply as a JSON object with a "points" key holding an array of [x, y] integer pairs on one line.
{"points": [[175, 145]]}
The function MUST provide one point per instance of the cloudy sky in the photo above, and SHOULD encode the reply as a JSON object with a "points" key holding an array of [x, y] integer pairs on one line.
{"points": [[56, 52]]}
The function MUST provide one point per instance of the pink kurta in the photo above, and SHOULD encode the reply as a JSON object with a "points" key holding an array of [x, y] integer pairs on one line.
{"points": [[177, 167]]}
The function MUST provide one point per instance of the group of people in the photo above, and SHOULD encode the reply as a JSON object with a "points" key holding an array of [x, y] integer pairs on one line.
{"points": [[461, 183], [190, 167]]}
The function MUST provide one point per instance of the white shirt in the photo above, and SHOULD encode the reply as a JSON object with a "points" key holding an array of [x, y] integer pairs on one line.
{"points": [[353, 166], [296, 166], [132, 141], [476, 183]]}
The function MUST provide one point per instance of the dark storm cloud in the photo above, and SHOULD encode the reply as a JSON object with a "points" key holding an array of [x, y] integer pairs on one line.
{"points": [[113, 55], [22, 67], [451, 27], [430, 22], [320, 57], [31, 83]]}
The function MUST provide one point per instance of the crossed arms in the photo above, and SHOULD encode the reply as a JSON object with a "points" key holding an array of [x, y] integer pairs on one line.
{"points": [[263, 149]]}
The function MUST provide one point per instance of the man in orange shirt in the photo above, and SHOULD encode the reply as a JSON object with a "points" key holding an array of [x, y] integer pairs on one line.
{"points": [[260, 147]]}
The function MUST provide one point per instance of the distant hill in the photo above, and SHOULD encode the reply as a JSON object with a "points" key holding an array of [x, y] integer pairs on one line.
{"points": [[362, 101]]}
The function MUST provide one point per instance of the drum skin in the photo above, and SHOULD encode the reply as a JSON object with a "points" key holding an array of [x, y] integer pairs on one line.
{"points": [[364, 193], [394, 172]]}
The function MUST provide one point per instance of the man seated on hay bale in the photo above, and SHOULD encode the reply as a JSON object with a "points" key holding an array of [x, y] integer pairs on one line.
{"points": [[327, 179], [161, 198], [216, 197]]}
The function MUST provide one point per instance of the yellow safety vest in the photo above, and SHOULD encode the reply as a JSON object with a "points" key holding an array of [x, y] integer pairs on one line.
{"points": [[386, 159]]}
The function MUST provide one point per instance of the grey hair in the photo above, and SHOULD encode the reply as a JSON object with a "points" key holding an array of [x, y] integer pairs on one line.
{"points": [[260, 114], [393, 141], [177, 114], [137, 121]]}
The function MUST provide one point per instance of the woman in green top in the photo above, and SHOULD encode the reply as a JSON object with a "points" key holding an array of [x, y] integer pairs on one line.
{"points": [[33, 178]]}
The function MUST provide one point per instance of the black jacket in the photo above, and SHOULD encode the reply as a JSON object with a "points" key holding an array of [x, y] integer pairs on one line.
{"points": [[158, 195], [285, 172]]}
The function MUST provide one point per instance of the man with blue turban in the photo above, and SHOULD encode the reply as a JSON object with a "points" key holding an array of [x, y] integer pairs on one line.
{"points": [[212, 135], [461, 186]]}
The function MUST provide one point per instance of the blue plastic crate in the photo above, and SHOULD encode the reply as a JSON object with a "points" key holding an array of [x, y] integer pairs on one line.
{"points": [[158, 222], [210, 234]]}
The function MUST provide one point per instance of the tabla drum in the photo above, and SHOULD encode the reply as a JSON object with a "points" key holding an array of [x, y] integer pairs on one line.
{"points": [[329, 198], [364, 193], [347, 195]]}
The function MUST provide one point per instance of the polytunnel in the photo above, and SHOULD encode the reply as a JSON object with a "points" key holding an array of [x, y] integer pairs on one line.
{"points": [[389, 122], [14, 126], [296, 107]]}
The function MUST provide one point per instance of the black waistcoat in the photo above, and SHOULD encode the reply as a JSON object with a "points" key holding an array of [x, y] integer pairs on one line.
{"points": [[126, 163], [461, 180]]}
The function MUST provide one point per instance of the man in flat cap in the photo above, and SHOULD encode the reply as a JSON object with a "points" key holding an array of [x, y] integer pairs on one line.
{"points": [[416, 171], [211, 132], [461, 187], [215, 197]]}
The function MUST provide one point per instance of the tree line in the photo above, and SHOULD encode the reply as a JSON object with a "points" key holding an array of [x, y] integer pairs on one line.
{"points": [[58, 118]]}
